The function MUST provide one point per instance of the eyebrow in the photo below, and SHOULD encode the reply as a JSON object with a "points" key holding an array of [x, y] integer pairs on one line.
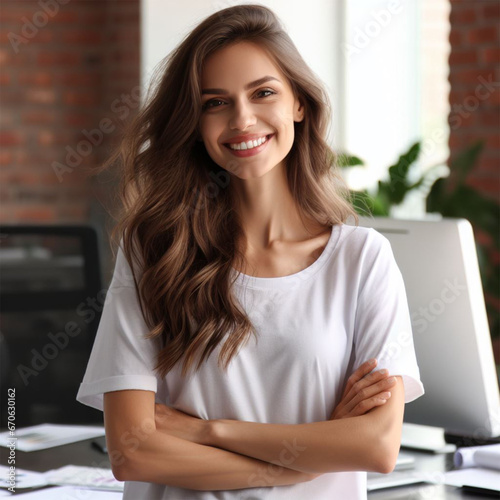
{"points": [[248, 86]]}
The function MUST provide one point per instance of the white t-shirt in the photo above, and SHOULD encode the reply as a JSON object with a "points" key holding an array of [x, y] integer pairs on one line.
{"points": [[315, 327]]}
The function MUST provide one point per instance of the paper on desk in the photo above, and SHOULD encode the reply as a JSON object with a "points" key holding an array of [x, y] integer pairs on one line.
{"points": [[23, 478], [43, 436], [70, 492], [86, 477], [478, 456], [480, 478]]}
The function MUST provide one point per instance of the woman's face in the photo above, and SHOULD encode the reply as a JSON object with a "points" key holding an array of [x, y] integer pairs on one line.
{"points": [[234, 112]]}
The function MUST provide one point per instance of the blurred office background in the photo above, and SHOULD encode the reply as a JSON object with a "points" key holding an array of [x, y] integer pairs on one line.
{"points": [[397, 72]]}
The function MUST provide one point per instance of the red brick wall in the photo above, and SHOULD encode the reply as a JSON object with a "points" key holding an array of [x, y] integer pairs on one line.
{"points": [[475, 87], [66, 65], [475, 112]]}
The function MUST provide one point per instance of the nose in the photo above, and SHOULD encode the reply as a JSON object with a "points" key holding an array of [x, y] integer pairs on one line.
{"points": [[242, 117]]}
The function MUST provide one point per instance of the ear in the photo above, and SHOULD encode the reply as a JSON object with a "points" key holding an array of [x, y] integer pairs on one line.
{"points": [[298, 110]]}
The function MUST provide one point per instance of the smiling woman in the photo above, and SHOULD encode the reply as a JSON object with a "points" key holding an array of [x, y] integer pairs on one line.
{"points": [[260, 382], [266, 116]]}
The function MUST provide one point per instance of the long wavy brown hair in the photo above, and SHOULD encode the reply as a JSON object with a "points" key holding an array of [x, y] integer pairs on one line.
{"points": [[178, 222]]}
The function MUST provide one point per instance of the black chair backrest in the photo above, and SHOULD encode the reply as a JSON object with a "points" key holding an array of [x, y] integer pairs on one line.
{"points": [[52, 252], [50, 306]]}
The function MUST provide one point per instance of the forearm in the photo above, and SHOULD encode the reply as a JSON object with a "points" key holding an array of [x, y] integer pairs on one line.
{"points": [[176, 462], [336, 445]]}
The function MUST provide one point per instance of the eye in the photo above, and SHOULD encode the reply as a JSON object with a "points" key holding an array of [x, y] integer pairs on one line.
{"points": [[211, 103], [208, 104], [267, 90]]}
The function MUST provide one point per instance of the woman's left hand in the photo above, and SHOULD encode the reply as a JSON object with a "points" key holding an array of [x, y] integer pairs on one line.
{"points": [[177, 423], [364, 391]]}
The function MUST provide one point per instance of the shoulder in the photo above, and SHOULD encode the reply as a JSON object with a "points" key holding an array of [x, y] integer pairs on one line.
{"points": [[367, 257], [122, 275], [362, 254], [360, 241]]}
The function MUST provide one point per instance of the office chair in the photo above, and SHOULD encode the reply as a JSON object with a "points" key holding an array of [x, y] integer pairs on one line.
{"points": [[50, 277]]}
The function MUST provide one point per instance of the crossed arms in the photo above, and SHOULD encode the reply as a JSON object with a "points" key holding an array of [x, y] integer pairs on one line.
{"points": [[155, 443]]}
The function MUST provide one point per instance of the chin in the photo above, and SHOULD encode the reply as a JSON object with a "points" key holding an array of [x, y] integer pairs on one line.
{"points": [[254, 171]]}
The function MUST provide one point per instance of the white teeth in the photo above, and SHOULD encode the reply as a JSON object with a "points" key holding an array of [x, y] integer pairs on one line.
{"points": [[248, 145]]}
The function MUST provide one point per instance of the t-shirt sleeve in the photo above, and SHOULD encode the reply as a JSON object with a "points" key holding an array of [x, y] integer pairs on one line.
{"points": [[382, 323], [121, 357]]}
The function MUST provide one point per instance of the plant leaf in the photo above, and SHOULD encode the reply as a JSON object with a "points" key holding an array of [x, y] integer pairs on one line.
{"points": [[466, 160], [348, 161], [399, 172]]}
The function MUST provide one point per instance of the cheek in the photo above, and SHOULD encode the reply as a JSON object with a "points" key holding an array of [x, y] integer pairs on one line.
{"points": [[281, 119], [210, 132], [206, 137]]}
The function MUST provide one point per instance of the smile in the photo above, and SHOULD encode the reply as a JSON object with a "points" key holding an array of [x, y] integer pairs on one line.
{"points": [[249, 144], [249, 148]]}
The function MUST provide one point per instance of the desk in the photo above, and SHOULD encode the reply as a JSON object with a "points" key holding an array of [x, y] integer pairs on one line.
{"points": [[82, 453], [435, 463]]}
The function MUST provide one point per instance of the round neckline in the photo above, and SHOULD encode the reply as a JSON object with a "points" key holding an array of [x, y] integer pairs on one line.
{"points": [[291, 279]]}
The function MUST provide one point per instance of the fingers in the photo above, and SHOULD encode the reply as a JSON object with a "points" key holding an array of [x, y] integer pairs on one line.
{"points": [[364, 390], [370, 403], [360, 378], [368, 390], [363, 370], [362, 407]]}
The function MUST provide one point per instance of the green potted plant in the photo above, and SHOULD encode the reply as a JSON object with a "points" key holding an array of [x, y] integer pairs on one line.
{"points": [[451, 197]]}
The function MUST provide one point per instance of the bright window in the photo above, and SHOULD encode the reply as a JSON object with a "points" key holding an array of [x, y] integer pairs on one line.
{"points": [[396, 73]]}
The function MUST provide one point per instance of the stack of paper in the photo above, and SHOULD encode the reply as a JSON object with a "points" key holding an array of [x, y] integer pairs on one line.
{"points": [[487, 456], [43, 436], [91, 478], [478, 468], [66, 492], [24, 478]]}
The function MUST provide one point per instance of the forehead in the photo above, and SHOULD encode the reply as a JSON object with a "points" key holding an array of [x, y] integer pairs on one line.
{"points": [[238, 64]]}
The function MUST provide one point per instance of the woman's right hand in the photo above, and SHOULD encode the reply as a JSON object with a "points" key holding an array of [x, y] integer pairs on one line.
{"points": [[364, 392]]}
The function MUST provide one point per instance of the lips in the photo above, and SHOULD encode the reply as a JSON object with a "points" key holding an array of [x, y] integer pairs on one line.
{"points": [[249, 152], [245, 138]]}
